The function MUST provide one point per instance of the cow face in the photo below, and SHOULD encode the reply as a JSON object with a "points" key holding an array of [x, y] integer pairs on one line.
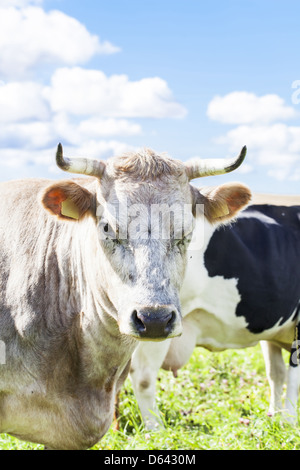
{"points": [[143, 210], [145, 224]]}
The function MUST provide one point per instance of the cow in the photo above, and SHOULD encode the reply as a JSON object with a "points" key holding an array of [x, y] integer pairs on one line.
{"points": [[83, 280], [241, 287]]}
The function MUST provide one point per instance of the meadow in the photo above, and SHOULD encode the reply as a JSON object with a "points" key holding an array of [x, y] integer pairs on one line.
{"points": [[219, 401]]}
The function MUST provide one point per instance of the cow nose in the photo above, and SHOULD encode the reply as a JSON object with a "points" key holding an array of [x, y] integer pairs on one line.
{"points": [[157, 322]]}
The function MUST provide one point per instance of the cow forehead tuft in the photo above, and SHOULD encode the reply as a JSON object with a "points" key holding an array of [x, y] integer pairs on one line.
{"points": [[147, 165]]}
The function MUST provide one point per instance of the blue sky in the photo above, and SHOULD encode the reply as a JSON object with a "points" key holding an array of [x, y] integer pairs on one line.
{"points": [[192, 78]]}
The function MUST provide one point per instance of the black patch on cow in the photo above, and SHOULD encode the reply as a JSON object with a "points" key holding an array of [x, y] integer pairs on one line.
{"points": [[262, 251]]}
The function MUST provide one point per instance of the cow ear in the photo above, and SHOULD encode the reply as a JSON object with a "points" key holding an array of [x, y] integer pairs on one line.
{"points": [[222, 203], [66, 200]]}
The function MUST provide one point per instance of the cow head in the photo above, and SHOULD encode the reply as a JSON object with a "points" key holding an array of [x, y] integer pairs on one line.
{"points": [[142, 208]]}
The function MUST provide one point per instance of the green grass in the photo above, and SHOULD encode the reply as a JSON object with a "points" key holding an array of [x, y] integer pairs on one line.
{"points": [[218, 401]]}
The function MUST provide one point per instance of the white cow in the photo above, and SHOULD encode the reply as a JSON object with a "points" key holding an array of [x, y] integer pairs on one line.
{"points": [[82, 279]]}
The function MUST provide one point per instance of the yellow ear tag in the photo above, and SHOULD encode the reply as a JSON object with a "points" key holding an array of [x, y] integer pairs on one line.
{"points": [[221, 210], [69, 209]]}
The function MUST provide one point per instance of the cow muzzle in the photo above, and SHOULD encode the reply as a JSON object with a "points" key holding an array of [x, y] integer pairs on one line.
{"points": [[155, 323]]}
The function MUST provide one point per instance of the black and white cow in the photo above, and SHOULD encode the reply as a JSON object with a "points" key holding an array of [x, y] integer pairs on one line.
{"points": [[242, 286]]}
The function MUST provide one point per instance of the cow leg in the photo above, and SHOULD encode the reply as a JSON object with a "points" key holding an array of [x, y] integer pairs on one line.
{"points": [[276, 374], [292, 393], [145, 364], [293, 379]]}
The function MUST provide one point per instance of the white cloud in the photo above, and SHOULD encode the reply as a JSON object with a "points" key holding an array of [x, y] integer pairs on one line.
{"points": [[272, 145], [98, 149], [241, 107], [85, 109], [32, 135], [17, 158], [275, 136], [84, 92], [275, 146], [107, 127], [21, 101], [92, 128], [35, 117], [42, 134], [30, 37]]}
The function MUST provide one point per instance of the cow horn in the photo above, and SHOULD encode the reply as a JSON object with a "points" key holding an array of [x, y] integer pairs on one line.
{"points": [[84, 166], [211, 167]]}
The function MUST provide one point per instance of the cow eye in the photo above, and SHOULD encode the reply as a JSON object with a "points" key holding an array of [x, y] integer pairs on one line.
{"points": [[183, 241], [108, 233], [106, 229], [180, 241]]}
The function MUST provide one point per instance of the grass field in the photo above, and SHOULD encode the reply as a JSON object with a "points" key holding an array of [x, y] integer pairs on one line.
{"points": [[218, 401]]}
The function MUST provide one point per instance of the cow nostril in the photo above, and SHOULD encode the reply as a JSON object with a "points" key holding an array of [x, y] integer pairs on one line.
{"points": [[171, 321], [138, 322]]}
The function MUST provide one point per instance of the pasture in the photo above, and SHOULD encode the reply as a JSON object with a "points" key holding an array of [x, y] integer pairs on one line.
{"points": [[218, 402]]}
